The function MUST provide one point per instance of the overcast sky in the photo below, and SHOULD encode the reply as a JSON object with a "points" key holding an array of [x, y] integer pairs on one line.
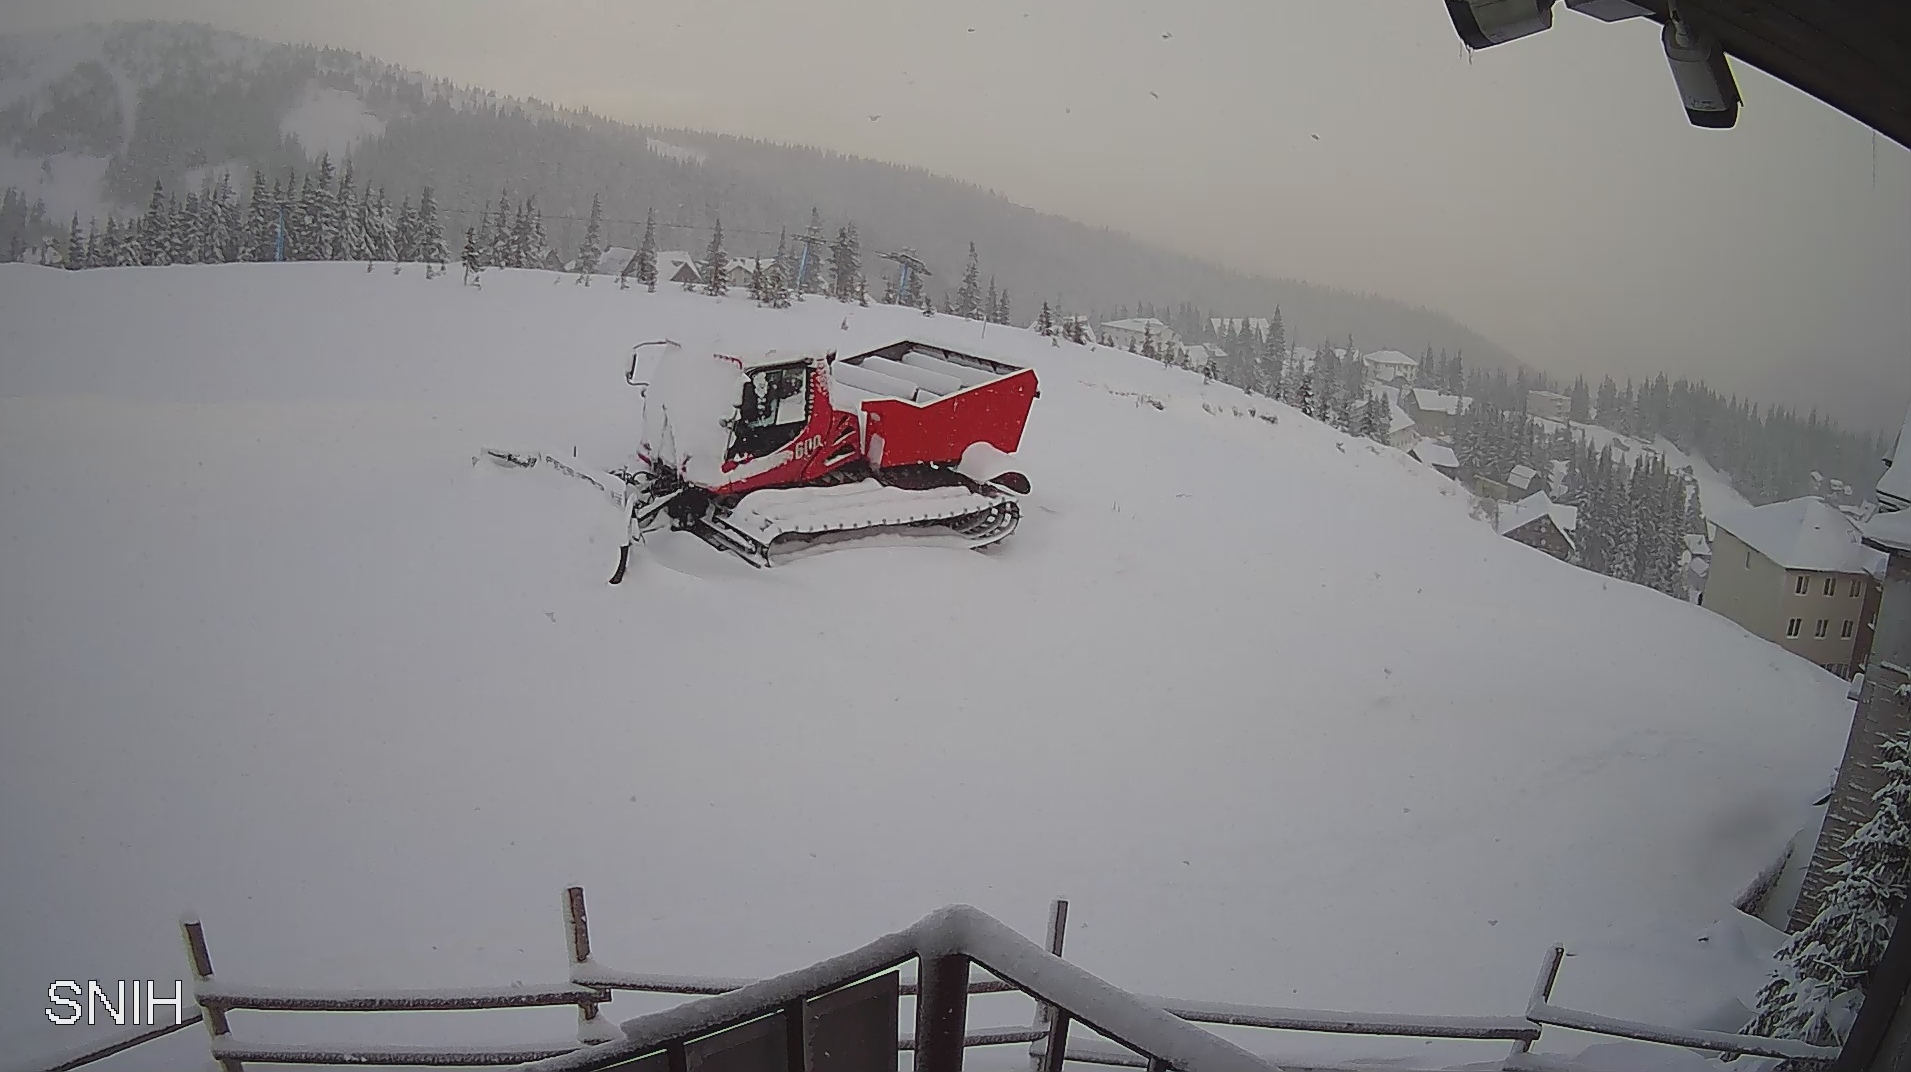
{"points": [[1547, 192]]}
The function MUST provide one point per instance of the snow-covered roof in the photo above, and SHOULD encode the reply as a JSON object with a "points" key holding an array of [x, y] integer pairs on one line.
{"points": [[1435, 454], [1390, 357], [1434, 401], [1199, 355], [1699, 566], [1521, 477], [1534, 507], [1137, 323], [1551, 396], [1397, 419], [1696, 544], [1232, 324], [1894, 487], [1802, 534], [1891, 531]]}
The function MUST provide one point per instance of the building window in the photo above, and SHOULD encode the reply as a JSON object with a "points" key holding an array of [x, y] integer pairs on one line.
{"points": [[1824, 624], [1846, 633], [1803, 584], [1831, 586], [1791, 627], [1857, 588]]}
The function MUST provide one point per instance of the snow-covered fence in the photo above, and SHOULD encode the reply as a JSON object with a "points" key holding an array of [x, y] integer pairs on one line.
{"points": [[782, 1016], [1541, 1011]]}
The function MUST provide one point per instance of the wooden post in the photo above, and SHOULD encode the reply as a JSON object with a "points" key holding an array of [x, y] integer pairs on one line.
{"points": [[1057, 1017], [216, 1024], [1542, 992], [577, 930], [796, 1043], [942, 1011]]}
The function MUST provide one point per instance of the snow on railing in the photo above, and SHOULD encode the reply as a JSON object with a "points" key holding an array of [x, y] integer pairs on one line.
{"points": [[1158, 1032], [101, 1048]]}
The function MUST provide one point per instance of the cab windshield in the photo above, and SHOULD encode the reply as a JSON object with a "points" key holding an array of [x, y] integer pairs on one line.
{"points": [[774, 410]]}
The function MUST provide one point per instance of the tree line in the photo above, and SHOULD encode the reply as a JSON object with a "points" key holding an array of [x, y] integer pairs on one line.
{"points": [[321, 216]]}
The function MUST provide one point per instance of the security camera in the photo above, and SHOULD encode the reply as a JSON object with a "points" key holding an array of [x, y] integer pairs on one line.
{"points": [[1485, 23], [1703, 76]]}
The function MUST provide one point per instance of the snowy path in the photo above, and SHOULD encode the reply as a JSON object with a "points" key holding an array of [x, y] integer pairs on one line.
{"points": [[1284, 723]]}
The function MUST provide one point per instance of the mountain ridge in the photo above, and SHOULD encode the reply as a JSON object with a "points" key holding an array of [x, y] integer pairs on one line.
{"points": [[90, 117]]}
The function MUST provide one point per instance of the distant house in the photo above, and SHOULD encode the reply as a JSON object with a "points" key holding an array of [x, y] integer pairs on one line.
{"points": [[1231, 325], [741, 269], [1135, 330], [677, 266], [1401, 431], [1797, 574], [1203, 357], [1390, 366], [1538, 521], [1439, 456], [609, 262], [1695, 574], [1524, 480], [1434, 412], [1548, 404]]}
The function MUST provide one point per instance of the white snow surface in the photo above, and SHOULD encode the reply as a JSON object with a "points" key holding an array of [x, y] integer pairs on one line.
{"points": [[328, 120], [274, 648]]}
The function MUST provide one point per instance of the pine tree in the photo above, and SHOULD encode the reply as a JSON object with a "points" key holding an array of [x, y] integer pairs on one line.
{"points": [[988, 305], [845, 264], [108, 255], [431, 235], [1002, 311], [1822, 969], [716, 263], [154, 247], [499, 255], [1045, 321], [969, 296], [473, 260], [647, 252], [127, 255], [592, 247], [407, 233], [1581, 411], [75, 247], [757, 291]]}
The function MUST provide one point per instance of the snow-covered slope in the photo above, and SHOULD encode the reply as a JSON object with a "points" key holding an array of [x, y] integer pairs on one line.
{"points": [[1284, 722]]}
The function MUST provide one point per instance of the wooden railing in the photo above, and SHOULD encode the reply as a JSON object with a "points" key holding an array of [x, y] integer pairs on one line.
{"points": [[1156, 1033]]}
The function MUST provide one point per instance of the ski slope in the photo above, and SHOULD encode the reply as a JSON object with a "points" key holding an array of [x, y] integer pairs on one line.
{"points": [[1284, 722]]}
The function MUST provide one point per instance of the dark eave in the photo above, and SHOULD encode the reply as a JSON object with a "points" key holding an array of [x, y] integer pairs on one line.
{"points": [[1854, 55]]}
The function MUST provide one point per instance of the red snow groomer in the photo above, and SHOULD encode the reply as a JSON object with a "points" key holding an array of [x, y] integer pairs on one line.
{"points": [[772, 456]]}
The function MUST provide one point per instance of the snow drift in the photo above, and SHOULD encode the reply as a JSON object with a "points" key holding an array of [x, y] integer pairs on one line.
{"points": [[1283, 721]]}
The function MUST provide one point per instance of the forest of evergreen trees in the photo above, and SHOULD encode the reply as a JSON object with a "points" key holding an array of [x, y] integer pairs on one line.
{"points": [[321, 216]]}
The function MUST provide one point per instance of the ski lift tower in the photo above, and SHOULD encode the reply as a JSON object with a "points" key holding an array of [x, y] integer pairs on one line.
{"points": [[813, 245], [911, 264]]}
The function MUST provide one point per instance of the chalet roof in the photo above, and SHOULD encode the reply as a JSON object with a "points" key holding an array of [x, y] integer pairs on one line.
{"points": [[1434, 401], [1137, 323], [1521, 477], [1894, 487], [1231, 324], [1802, 534], [1696, 544], [1534, 507], [1390, 357], [1435, 454]]}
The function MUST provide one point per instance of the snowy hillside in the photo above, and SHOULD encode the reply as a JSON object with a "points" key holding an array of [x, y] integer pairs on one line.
{"points": [[1284, 722]]}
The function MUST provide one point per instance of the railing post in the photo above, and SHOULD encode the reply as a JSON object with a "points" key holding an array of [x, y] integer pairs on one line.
{"points": [[577, 930], [1542, 992], [216, 1023], [942, 1011], [1055, 1018]]}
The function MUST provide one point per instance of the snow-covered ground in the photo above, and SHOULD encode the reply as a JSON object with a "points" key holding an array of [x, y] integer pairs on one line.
{"points": [[1284, 722]]}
